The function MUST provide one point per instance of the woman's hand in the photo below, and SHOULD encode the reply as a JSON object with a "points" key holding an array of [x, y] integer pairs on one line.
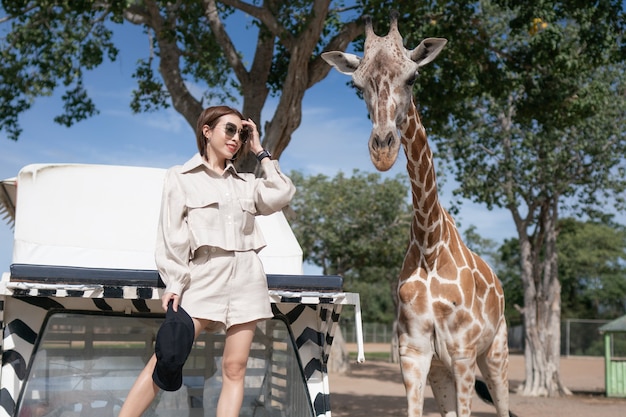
{"points": [[254, 139], [165, 300]]}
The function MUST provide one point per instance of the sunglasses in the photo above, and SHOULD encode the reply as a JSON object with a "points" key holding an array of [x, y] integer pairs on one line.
{"points": [[231, 130]]}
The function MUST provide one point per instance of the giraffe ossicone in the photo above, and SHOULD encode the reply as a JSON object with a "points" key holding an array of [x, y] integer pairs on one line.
{"points": [[451, 304]]}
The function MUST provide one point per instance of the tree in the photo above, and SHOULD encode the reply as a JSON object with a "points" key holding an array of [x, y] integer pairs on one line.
{"points": [[592, 268], [527, 104], [486, 248], [356, 227], [51, 43]]}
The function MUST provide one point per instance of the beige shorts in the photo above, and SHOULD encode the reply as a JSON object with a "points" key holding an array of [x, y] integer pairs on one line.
{"points": [[227, 287]]}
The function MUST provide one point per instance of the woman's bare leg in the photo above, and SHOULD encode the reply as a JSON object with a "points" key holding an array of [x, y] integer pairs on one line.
{"points": [[144, 390], [142, 393], [234, 364]]}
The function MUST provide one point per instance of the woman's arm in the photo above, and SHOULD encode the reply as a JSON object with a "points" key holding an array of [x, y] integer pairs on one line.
{"points": [[172, 242], [275, 190]]}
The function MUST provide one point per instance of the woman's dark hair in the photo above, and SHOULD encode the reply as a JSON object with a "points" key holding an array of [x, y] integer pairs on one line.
{"points": [[210, 116]]}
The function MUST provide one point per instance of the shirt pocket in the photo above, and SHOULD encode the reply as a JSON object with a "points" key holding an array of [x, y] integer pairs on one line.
{"points": [[249, 212], [203, 212]]}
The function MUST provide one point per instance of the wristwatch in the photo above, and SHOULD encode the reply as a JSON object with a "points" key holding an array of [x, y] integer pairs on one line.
{"points": [[263, 154]]}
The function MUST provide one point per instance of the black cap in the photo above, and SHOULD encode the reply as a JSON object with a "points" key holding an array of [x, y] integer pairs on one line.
{"points": [[174, 341]]}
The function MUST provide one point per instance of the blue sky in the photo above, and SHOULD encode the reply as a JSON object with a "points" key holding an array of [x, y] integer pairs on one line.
{"points": [[332, 137]]}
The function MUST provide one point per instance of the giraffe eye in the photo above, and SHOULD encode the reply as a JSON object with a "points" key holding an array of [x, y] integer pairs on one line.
{"points": [[412, 79]]}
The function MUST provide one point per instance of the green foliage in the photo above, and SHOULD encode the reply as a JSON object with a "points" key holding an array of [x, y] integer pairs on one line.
{"points": [[592, 269], [596, 347], [508, 270], [376, 297], [203, 59], [527, 100], [485, 248], [47, 45], [76, 104], [51, 43], [356, 227], [150, 94]]}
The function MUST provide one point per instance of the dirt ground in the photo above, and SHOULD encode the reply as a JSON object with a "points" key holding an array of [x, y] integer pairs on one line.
{"points": [[375, 388]]}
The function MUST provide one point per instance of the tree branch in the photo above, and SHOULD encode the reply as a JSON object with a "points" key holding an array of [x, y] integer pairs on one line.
{"points": [[318, 68], [264, 15], [169, 64], [217, 27]]}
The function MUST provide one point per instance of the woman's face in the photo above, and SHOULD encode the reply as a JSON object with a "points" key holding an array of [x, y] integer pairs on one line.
{"points": [[227, 137]]}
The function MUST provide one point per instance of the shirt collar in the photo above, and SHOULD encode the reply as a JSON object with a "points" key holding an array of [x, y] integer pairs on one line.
{"points": [[197, 161]]}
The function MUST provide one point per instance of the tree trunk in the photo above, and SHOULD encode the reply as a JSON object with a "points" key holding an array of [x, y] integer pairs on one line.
{"points": [[542, 309]]}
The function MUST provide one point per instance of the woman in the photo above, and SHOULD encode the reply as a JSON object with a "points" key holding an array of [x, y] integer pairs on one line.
{"points": [[206, 252]]}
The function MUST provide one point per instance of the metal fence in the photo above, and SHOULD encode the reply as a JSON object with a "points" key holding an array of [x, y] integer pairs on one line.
{"points": [[372, 332], [579, 337]]}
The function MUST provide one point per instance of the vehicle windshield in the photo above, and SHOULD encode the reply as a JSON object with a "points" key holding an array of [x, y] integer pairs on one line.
{"points": [[84, 365]]}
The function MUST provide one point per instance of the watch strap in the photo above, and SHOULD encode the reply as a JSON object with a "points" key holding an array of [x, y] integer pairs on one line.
{"points": [[263, 154]]}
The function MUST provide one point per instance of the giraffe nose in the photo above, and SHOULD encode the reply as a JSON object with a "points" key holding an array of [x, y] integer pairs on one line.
{"points": [[386, 142], [383, 146]]}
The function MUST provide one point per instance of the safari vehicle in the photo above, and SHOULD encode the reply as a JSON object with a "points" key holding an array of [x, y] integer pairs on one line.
{"points": [[81, 305]]}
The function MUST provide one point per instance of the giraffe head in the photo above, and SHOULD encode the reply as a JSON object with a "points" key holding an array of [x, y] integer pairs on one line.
{"points": [[385, 75]]}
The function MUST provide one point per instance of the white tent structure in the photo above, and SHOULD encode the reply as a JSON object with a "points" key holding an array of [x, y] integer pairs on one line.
{"points": [[105, 216]]}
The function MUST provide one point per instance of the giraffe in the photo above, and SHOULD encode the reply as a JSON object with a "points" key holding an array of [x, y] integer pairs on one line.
{"points": [[451, 304]]}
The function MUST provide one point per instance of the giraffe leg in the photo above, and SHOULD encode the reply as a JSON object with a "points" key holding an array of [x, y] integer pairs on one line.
{"points": [[494, 365], [464, 376], [444, 391], [414, 368]]}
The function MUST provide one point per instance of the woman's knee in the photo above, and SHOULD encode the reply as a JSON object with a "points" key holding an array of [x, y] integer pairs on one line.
{"points": [[234, 368]]}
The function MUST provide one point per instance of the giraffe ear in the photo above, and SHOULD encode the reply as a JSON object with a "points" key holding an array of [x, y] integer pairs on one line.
{"points": [[427, 50], [343, 62]]}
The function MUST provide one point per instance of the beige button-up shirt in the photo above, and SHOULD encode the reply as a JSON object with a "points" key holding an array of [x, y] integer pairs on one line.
{"points": [[203, 208]]}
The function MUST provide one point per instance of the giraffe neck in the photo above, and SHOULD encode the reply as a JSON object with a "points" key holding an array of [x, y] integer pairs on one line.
{"points": [[429, 227]]}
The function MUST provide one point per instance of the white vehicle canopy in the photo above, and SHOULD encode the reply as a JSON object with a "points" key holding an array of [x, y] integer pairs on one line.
{"points": [[81, 304]]}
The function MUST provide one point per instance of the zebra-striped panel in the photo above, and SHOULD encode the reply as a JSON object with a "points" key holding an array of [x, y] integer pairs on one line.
{"points": [[311, 317]]}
